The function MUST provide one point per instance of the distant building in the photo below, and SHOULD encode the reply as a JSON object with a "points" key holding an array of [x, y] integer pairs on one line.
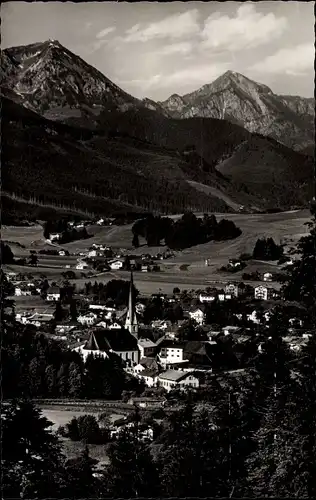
{"points": [[197, 313], [262, 292], [103, 342], [116, 265], [207, 297], [147, 347], [87, 319], [232, 289], [267, 277], [53, 294], [178, 379]]}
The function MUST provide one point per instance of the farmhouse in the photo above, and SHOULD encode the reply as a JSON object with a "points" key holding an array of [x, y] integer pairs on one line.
{"points": [[146, 347], [87, 319], [82, 265], [116, 265], [231, 289], [262, 292], [267, 277], [53, 294], [150, 377], [54, 236], [207, 297], [178, 379], [197, 313]]}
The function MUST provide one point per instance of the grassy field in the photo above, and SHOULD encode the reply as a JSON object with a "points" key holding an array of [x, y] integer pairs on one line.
{"points": [[286, 227], [72, 448]]}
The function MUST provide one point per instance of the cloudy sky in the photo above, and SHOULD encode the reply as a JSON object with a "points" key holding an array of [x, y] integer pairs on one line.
{"points": [[157, 49]]}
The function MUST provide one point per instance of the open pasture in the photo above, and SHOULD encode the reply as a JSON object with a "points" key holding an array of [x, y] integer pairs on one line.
{"points": [[186, 269]]}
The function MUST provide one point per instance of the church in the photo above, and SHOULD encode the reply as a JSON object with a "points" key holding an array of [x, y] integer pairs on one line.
{"points": [[120, 341]]}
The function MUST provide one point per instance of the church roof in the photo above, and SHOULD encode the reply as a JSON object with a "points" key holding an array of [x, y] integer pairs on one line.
{"points": [[115, 339]]}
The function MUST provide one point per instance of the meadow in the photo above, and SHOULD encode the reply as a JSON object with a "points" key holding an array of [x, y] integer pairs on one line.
{"points": [[185, 270]]}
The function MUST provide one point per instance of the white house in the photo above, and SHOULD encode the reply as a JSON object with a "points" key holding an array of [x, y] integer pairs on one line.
{"points": [[207, 297], [178, 379], [261, 292], [231, 289], [62, 253], [53, 294], [147, 347], [171, 353], [267, 277], [92, 253], [54, 236], [224, 296], [255, 319], [87, 319], [150, 377], [82, 265], [116, 265], [197, 314]]}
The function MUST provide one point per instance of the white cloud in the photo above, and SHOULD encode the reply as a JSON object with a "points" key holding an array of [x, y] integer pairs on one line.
{"points": [[176, 48], [194, 76], [105, 32], [175, 26], [294, 61], [247, 29]]}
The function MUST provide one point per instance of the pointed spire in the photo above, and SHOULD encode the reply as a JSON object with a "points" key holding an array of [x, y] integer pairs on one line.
{"points": [[131, 319]]}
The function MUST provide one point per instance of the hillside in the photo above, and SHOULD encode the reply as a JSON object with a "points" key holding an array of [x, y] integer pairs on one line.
{"points": [[236, 98], [50, 164]]}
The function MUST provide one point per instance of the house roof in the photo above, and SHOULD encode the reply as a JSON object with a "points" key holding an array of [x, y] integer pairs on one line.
{"points": [[116, 340], [171, 344], [149, 363], [174, 375], [146, 343], [149, 373]]}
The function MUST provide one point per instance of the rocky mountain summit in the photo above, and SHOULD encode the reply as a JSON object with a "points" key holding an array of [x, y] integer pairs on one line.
{"points": [[58, 84], [236, 98]]}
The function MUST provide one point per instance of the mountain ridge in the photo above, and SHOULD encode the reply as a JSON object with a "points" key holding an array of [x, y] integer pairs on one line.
{"points": [[58, 120], [240, 100]]}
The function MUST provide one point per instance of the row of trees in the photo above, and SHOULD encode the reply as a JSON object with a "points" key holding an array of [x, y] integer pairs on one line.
{"points": [[267, 249], [185, 232]]}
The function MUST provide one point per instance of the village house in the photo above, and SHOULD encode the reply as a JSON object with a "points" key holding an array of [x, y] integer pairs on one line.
{"points": [[147, 347], [62, 253], [255, 317], [53, 294], [22, 291], [35, 319], [64, 327], [231, 289], [224, 296], [102, 342], [82, 265], [198, 314], [161, 324], [146, 364], [227, 330], [87, 319], [54, 236], [178, 379], [116, 265], [207, 297], [171, 353], [267, 277], [262, 292], [150, 377]]}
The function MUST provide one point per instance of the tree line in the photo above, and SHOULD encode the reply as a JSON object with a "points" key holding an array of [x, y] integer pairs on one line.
{"points": [[188, 231]]}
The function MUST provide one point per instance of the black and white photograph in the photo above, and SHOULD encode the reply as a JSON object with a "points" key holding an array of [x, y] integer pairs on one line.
{"points": [[158, 250]]}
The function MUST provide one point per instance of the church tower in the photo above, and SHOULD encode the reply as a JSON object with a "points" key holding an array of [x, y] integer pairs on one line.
{"points": [[131, 323]]}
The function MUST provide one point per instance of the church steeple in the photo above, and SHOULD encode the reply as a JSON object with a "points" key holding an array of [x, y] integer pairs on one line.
{"points": [[131, 323]]}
